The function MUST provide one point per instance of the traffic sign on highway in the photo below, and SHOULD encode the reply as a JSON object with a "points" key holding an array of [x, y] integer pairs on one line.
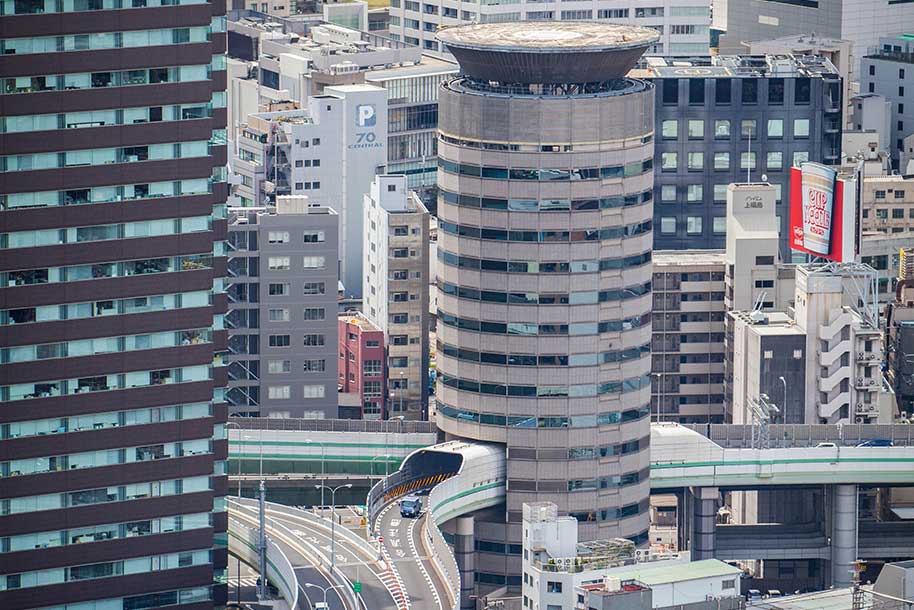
{"points": [[357, 587]]}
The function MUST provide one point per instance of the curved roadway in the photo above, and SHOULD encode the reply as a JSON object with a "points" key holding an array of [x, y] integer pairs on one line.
{"points": [[303, 539], [408, 555]]}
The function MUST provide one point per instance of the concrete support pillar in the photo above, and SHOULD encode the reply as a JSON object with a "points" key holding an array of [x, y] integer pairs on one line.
{"points": [[465, 555], [844, 535], [704, 522]]}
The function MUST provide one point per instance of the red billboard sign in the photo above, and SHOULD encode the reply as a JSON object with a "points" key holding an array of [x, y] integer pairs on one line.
{"points": [[822, 213]]}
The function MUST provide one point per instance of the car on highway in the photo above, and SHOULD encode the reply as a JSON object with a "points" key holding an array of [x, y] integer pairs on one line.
{"points": [[877, 442], [410, 506], [753, 595], [826, 446]]}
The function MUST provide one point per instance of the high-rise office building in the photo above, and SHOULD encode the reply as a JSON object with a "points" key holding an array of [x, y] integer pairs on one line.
{"points": [[282, 293], [112, 193], [888, 70], [396, 288], [544, 231], [731, 119], [683, 26]]}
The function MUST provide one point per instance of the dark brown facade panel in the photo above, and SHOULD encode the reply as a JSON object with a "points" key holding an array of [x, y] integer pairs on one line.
{"points": [[107, 326], [96, 514], [84, 22], [109, 250], [219, 40], [92, 478], [219, 80], [110, 550], [107, 288], [107, 364], [101, 588], [108, 438], [114, 400], [113, 136], [52, 102], [118, 173], [133, 58], [107, 213]]}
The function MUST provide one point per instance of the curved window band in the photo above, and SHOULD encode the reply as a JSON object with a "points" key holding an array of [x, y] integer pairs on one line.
{"points": [[545, 236], [632, 353], [583, 173], [522, 421], [531, 330], [631, 384], [486, 264], [546, 205], [532, 298]]}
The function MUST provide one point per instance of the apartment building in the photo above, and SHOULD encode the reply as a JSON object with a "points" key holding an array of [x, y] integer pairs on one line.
{"points": [[362, 367], [887, 69], [282, 293], [300, 152], [683, 25], [687, 336], [888, 203], [396, 289], [112, 218], [729, 119]]}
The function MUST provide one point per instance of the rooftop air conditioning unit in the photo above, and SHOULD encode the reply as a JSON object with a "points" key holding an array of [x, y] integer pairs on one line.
{"points": [[859, 420]]}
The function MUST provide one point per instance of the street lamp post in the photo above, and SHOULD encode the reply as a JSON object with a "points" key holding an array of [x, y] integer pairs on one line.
{"points": [[323, 475], [380, 457], [325, 589], [784, 381], [238, 426], [333, 520]]}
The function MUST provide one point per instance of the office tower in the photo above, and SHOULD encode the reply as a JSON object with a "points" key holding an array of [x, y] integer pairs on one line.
{"points": [[330, 152], [732, 119], [900, 337], [683, 26], [395, 294], [862, 22], [362, 368], [544, 233], [112, 193], [687, 336], [887, 69], [282, 293]]}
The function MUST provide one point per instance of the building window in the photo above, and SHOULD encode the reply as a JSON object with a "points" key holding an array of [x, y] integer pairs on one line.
{"points": [[278, 263], [774, 160], [313, 262], [775, 128], [693, 225], [276, 367], [899, 194], [719, 225], [720, 192], [279, 315], [721, 160], [279, 392], [398, 362], [670, 129], [279, 341], [399, 318], [722, 91], [801, 128], [278, 290], [880, 194], [722, 129], [668, 192], [696, 161], [695, 192], [313, 340], [764, 261], [800, 157], [696, 129], [668, 162], [314, 366], [750, 90], [696, 85], [313, 237], [313, 313], [748, 128], [371, 368], [278, 237], [553, 586], [313, 288], [747, 160], [668, 225], [313, 391]]}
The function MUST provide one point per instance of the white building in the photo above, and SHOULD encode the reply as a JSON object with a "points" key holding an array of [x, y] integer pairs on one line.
{"points": [[558, 570], [684, 25], [330, 151], [395, 289]]}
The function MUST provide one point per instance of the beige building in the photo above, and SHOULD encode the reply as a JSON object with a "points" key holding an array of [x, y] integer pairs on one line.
{"points": [[888, 203], [395, 289], [687, 336]]}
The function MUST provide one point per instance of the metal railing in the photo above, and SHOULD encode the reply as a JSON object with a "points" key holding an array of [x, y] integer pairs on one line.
{"points": [[334, 425], [807, 435]]}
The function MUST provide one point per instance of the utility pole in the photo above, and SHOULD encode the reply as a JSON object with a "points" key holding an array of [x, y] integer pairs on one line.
{"points": [[262, 544]]}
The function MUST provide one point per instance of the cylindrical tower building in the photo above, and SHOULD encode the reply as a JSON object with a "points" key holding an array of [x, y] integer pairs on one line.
{"points": [[544, 274]]}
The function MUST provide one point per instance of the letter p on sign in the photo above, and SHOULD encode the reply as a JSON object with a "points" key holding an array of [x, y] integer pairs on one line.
{"points": [[366, 115]]}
